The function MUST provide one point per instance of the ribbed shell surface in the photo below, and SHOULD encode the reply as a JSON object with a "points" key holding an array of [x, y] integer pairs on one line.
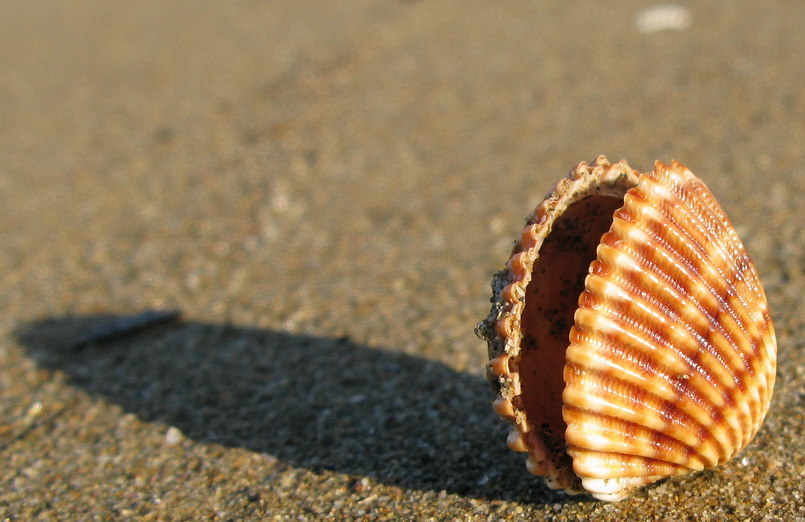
{"points": [[672, 356]]}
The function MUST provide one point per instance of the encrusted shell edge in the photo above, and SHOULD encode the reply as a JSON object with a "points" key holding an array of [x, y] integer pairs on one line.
{"points": [[501, 329]]}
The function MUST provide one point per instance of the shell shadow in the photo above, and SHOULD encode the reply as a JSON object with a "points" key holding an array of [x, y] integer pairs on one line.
{"points": [[318, 403]]}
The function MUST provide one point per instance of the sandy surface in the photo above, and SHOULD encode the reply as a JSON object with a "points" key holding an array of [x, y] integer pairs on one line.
{"points": [[324, 189]]}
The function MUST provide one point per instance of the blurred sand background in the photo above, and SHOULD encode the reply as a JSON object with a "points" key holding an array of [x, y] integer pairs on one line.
{"points": [[324, 189]]}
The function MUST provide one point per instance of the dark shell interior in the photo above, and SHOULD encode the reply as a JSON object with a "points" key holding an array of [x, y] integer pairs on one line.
{"points": [[550, 302]]}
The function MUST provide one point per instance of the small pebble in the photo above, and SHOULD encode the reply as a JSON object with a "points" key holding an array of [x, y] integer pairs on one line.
{"points": [[664, 17], [361, 485], [35, 410], [173, 436]]}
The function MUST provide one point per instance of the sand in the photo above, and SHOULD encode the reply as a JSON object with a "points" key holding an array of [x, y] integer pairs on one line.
{"points": [[324, 190]]}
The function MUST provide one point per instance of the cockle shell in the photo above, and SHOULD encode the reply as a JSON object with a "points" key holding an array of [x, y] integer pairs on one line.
{"points": [[629, 338]]}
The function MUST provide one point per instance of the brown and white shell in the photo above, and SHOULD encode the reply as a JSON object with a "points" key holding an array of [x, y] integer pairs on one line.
{"points": [[629, 338]]}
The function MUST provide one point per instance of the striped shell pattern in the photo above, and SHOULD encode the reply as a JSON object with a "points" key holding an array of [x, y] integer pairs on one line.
{"points": [[629, 338]]}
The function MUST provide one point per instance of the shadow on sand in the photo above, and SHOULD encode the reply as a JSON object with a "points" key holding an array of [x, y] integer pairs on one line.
{"points": [[319, 403]]}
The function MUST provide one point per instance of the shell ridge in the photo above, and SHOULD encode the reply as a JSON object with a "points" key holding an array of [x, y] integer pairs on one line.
{"points": [[636, 293], [705, 204], [608, 395], [715, 326], [631, 438], [680, 293], [657, 248], [680, 227], [698, 205], [700, 209], [719, 355], [749, 359], [747, 324], [698, 405], [611, 396], [742, 316], [721, 236], [594, 464], [754, 353], [650, 338], [665, 249]]}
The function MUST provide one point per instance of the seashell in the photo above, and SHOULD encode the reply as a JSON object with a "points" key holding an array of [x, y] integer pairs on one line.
{"points": [[629, 337]]}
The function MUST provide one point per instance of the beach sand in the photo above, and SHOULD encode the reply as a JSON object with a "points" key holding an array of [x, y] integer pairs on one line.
{"points": [[324, 190]]}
